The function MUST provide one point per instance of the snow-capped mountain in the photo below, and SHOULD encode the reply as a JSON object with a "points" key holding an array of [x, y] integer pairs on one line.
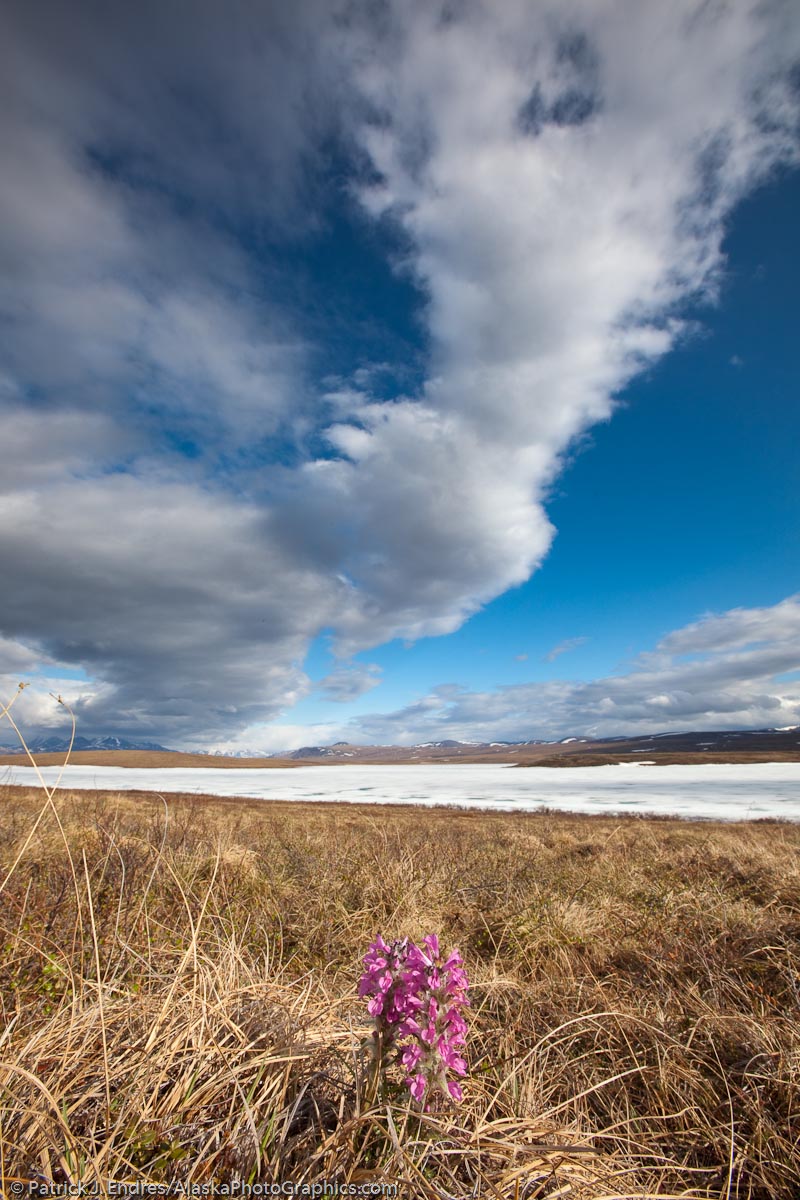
{"points": [[60, 745]]}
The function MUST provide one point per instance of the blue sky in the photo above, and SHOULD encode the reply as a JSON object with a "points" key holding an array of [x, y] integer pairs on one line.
{"points": [[636, 555], [387, 378]]}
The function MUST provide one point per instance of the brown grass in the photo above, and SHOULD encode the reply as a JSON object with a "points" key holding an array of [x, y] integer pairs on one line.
{"points": [[669, 758], [146, 758], [559, 757], [178, 997]]}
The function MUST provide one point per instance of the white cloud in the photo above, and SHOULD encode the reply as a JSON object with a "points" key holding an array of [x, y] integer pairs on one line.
{"points": [[14, 657], [732, 681], [36, 708], [559, 192], [552, 259], [737, 629], [564, 648], [279, 737]]}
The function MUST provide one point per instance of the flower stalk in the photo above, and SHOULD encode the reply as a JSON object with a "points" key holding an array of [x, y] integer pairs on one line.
{"points": [[416, 999]]}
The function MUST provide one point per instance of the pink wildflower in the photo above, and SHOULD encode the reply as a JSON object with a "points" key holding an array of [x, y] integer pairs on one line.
{"points": [[416, 998]]}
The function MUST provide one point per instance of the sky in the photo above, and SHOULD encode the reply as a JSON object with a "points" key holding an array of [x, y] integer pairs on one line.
{"points": [[396, 371]]}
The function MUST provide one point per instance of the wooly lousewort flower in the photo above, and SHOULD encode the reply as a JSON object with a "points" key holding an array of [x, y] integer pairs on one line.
{"points": [[416, 1000]]}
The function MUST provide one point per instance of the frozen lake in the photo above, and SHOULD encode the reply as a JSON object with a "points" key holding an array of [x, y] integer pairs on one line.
{"points": [[720, 791]]}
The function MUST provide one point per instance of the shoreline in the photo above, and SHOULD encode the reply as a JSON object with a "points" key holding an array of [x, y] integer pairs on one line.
{"points": [[442, 809]]}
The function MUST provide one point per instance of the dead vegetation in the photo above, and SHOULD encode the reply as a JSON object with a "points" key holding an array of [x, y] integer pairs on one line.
{"points": [[178, 997], [147, 758], [660, 758]]}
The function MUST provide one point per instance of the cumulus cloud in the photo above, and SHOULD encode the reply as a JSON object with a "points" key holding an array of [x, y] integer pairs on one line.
{"points": [[174, 600], [124, 287], [553, 254], [183, 508], [739, 629], [732, 681], [278, 738], [14, 656]]}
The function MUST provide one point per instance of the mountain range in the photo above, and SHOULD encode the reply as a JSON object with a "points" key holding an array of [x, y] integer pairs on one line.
{"points": [[60, 745], [692, 746]]}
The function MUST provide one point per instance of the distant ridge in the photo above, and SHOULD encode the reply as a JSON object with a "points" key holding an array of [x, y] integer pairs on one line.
{"points": [[704, 746], [60, 745], [568, 748]]}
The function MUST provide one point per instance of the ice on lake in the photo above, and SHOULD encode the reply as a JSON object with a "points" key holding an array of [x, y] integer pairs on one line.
{"points": [[721, 791]]}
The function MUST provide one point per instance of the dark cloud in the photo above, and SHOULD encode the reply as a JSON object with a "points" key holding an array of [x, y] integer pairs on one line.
{"points": [[175, 600], [182, 509], [347, 683]]}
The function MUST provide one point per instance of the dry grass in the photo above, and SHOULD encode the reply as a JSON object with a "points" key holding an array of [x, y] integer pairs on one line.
{"points": [[672, 758], [148, 758], [178, 997], [558, 756]]}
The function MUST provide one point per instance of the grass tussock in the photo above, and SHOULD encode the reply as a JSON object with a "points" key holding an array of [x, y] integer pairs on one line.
{"points": [[178, 988]]}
